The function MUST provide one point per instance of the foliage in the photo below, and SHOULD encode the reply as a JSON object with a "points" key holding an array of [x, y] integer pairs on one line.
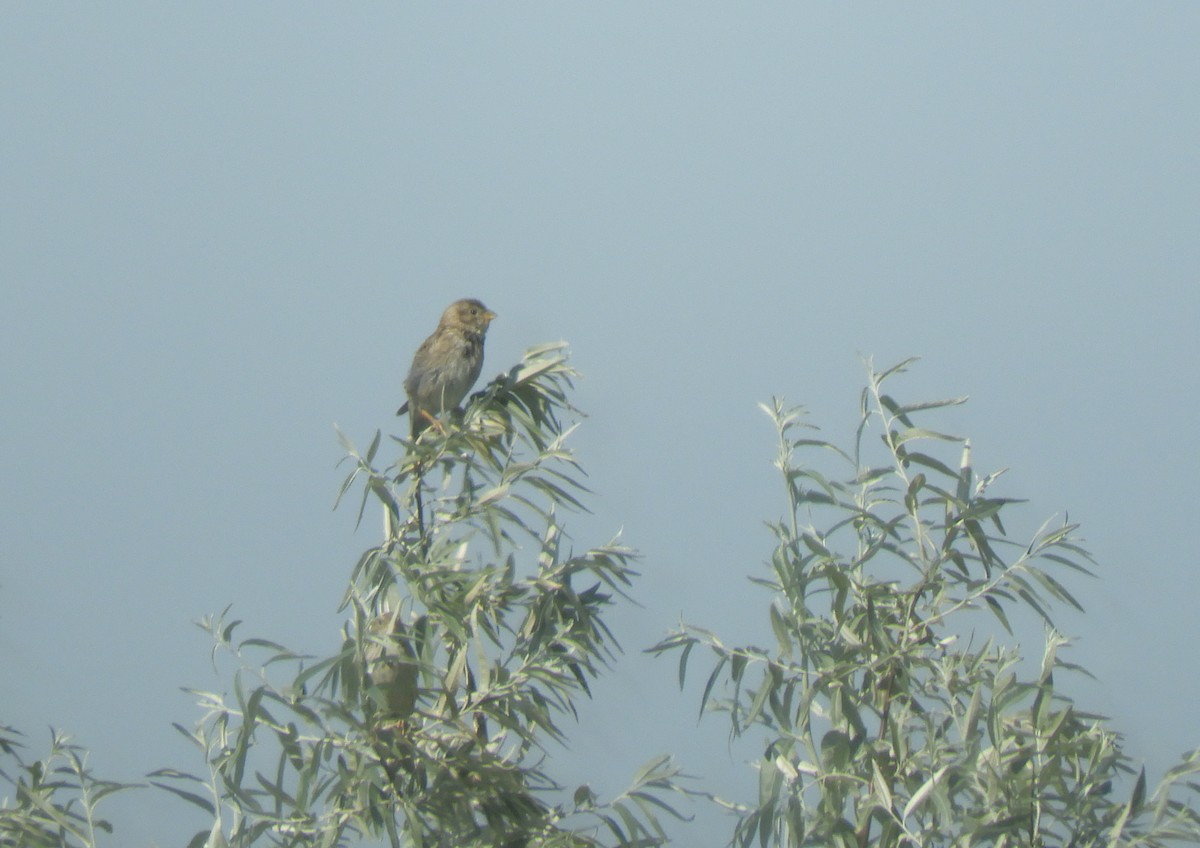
{"points": [[895, 710], [890, 718], [55, 798], [471, 630]]}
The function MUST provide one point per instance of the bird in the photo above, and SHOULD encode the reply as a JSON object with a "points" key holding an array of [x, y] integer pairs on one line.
{"points": [[392, 664], [446, 364]]}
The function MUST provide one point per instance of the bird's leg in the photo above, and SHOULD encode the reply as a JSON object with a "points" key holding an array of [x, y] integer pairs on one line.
{"points": [[434, 421]]}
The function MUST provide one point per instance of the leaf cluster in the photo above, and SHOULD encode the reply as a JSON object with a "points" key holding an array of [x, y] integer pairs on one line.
{"points": [[892, 713], [472, 629], [54, 799], [893, 708]]}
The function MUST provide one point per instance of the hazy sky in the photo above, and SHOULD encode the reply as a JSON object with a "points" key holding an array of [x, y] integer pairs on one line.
{"points": [[225, 227]]}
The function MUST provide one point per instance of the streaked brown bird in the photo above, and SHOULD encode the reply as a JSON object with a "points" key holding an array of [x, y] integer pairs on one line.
{"points": [[446, 364], [392, 665]]}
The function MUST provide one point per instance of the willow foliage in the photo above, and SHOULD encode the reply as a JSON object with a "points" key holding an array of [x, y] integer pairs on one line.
{"points": [[894, 708], [471, 631], [893, 714]]}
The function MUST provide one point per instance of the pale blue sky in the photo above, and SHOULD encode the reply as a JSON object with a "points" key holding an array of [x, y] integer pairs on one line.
{"points": [[225, 227]]}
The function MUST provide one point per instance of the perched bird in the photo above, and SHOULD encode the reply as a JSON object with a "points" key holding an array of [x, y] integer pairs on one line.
{"points": [[392, 665], [446, 364]]}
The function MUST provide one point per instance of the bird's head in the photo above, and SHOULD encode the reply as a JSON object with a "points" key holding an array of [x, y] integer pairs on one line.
{"points": [[468, 314]]}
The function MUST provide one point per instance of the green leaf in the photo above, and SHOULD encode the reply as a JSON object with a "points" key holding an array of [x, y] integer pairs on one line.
{"points": [[781, 630], [909, 408], [374, 447], [881, 788], [191, 797], [918, 797], [930, 462], [683, 659], [708, 686], [898, 368], [1129, 810], [914, 433]]}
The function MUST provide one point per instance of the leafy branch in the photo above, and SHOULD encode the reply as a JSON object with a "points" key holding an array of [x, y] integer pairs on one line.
{"points": [[891, 716], [471, 631]]}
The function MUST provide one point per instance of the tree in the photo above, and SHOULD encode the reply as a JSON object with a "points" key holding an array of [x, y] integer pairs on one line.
{"points": [[472, 629], [893, 709], [890, 719], [54, 799]]}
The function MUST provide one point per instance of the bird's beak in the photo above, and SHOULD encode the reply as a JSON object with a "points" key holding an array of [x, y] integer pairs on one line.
{"points": [[489, 316]]}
